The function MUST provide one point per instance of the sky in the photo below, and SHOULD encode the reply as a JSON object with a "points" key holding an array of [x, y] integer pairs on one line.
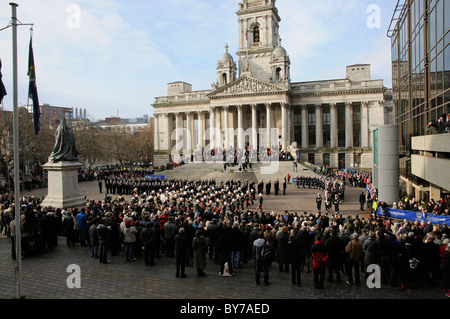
{"points": [[114, 57]]}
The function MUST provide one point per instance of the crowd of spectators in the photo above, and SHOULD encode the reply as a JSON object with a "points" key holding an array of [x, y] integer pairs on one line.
{"points": [[225, 226], [439, 126], [438, 208]]}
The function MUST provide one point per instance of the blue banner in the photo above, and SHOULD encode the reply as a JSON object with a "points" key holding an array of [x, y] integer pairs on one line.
{"points": [[413, 216], [156, 177]]}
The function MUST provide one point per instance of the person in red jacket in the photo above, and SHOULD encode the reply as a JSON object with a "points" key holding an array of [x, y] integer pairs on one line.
{"points": [[319, 261]]}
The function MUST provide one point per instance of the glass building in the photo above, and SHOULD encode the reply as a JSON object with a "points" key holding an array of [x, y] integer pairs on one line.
{"points": [[420, 33]]}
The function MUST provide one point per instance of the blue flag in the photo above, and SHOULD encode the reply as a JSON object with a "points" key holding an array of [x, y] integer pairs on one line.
{"points": [[32, 89], [2, 87]]}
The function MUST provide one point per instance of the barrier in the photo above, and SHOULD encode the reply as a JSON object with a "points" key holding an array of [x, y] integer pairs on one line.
{"points": [[156, 177], [413, 216]]}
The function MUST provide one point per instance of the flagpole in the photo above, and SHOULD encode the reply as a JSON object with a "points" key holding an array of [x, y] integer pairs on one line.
{"points": [[16, 154]]}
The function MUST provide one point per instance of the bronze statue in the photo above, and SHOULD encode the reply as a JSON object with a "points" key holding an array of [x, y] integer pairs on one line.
{"points": [[65, 149]]}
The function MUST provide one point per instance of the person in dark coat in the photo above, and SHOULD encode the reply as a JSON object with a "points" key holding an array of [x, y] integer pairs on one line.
{"points": [[400, 263], [103, 233], [261, 265], [304, 243], [371, 251], [224, 248], [181, 244], [93, 236], [362, 201], [237, 238], [282, 249], [445, 258], [384, 242], [213, 233], [114, 242], [429, 257], [68, 228], [200, 249], [319, 202], [268, 187], [148, 238], [336, 203], [277, 187], [295, 260], [49, 228], [335, 248]]}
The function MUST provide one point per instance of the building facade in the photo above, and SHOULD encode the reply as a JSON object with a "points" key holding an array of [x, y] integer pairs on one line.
{"points": [[420, 33], [254, 103]]}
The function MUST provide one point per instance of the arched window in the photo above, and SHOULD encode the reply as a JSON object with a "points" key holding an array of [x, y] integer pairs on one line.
{"points": [[256, 34], [278, 74], [224, 79]]}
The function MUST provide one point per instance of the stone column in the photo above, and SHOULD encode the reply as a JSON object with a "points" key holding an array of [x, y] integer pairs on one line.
{"points": [[226, 124], [201, 121], [167, 131], [348, 125], [319, 126], [240, 126], [268, 124], [212, 126], [254, 127], [178, 127], [284, 127], [189, 131], [290, 116], [333, 125], [156, 133], [304, 126], [364, 125]]}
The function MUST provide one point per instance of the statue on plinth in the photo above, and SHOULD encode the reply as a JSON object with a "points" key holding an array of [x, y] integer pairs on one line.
{"points": [[65, 148], [62, 170]]}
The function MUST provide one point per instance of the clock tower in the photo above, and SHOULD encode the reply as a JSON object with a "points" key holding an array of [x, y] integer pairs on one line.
{"points": [[259, 37]]}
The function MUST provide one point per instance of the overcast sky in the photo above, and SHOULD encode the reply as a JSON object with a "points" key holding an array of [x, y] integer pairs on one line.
{"points": [[111, 56]]}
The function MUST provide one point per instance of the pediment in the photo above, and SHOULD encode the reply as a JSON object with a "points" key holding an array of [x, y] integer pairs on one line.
{"points": [[246, 85]]}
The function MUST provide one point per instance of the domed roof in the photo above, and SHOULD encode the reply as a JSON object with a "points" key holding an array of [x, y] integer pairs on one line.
{"points": [[226, 57], [279, 50]]}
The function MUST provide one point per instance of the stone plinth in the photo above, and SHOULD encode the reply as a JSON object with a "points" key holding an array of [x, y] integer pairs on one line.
{"points": [[63, 185]]}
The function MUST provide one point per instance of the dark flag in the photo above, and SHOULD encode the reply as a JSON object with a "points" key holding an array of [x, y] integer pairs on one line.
{"points": [[32, 89], [2, 87]]}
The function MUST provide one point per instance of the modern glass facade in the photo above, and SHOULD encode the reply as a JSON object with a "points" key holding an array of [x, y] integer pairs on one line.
{"points": [[421, 66]]}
